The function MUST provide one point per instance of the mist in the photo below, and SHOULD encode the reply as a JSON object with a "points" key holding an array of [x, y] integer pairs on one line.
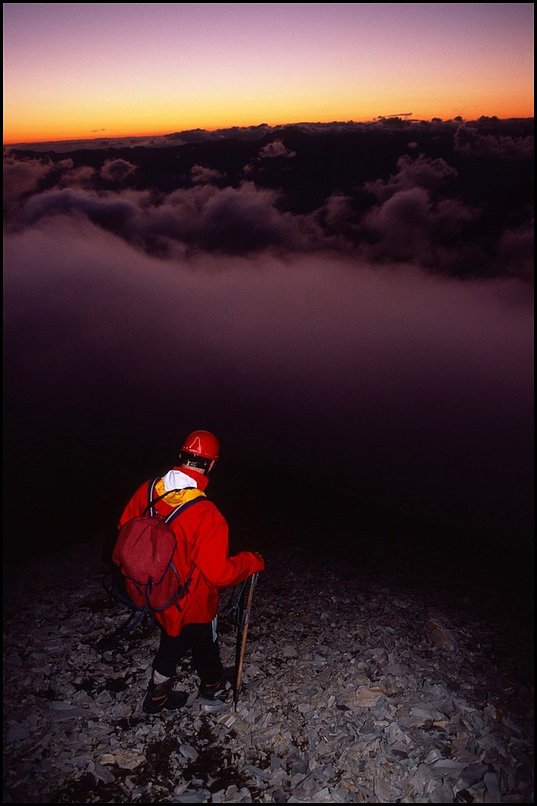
{"points": [[312, 363]]}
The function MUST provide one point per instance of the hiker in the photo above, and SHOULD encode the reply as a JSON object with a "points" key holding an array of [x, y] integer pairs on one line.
{"points": [[203, 551]]}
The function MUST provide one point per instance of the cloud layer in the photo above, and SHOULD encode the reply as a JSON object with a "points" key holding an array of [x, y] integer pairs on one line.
{"points": [[468, 213], [355, 333]]}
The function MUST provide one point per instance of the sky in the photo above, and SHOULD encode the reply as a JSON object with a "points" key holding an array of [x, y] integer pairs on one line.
{"points": [[347, 303], [84, 70]]}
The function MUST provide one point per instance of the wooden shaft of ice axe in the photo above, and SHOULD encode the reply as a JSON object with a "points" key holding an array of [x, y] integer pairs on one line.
{"points": [[242, 635]]}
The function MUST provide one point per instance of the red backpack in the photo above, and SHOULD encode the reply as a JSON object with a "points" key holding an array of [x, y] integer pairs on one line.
{"points": [[144, 552]]}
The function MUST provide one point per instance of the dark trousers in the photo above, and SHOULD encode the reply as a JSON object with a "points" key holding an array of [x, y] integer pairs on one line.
{"points": [[202, 641]]}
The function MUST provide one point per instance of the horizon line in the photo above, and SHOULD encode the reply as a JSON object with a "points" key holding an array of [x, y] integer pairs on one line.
{"points": [[403, 117]]}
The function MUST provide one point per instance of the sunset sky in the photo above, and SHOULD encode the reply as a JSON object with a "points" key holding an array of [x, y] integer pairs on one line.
{"points": [[84, 70]]}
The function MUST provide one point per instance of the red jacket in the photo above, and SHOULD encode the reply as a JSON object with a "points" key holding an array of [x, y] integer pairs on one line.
{"points": [[202, 543]]}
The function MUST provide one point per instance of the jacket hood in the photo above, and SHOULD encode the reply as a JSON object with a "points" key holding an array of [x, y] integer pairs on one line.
{"points": [[180, 477]]}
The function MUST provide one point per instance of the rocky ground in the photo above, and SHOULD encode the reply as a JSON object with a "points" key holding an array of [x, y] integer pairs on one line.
{"points": [[358, 688]]}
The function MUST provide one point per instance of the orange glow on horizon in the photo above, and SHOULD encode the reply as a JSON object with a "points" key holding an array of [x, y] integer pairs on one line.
{"points": [[79, 130]]}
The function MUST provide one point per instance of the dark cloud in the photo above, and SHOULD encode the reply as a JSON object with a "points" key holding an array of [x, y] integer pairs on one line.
{"points": [[80, 177], [115, 170], [234, 220], [306, 188], [202, 175], [409, 226], [419, 172], [469, 140], [276, 149], [109, 211], [21, 178], [245, 219]]}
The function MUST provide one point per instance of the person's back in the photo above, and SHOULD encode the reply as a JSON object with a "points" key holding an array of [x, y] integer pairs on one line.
{"points": [[203, 551]]}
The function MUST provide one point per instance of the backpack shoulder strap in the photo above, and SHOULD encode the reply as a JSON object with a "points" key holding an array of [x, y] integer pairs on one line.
{"points": [[181, 508], [150, 508], [150, 490]]}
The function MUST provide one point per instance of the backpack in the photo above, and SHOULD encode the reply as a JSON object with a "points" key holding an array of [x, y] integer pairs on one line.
{"points": [[144, 552]]}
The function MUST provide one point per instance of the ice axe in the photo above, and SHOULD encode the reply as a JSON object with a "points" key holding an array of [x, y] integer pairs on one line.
{"points": [[243, 615]]}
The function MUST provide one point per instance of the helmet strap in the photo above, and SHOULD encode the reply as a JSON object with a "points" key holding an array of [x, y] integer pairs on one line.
{"points": [[200, 463]]}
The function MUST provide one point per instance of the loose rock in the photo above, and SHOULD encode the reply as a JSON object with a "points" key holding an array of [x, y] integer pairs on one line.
{"points": [[368, 695]]}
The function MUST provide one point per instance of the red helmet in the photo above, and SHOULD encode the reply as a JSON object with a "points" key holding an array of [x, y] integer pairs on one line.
{"points": [[202, 444]]}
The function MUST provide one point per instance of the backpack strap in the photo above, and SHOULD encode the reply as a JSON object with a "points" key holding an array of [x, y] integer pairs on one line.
{"points": [[150, 508], [170, 517], [150, 500], [181, 508]]}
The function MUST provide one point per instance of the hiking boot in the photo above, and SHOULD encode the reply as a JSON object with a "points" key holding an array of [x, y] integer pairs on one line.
{"points": [[162, 696], [214, 691]]}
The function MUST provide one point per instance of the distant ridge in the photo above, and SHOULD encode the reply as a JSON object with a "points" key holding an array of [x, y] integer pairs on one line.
{"points": [[246, 133]]}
